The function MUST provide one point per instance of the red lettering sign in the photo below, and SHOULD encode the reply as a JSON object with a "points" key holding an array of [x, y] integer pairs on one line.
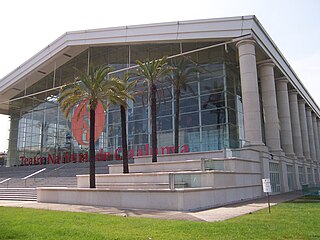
{"points": [[100, 156]]}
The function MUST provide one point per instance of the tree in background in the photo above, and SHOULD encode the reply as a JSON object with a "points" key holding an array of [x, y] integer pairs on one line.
{"points": [[181, 71], [153, 73], [92, 87], [129, 88]]}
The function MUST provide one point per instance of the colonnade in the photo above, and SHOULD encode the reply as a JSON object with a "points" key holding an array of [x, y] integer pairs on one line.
{"points": [[291, 127]]}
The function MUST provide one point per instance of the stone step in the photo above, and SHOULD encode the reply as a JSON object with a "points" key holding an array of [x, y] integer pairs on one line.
{"points": [[171, 166], [41, 182], [18, 194], [17, 199], [227, 164], [133, 185], [17, 189], [125, 179]]}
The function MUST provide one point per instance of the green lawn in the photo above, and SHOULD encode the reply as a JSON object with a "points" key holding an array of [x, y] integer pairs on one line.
{"points": [[293, 220]]}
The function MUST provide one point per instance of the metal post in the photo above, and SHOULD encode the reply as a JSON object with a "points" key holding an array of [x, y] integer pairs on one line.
{"points": [[268, 202], [171, 181], [202, 165]]}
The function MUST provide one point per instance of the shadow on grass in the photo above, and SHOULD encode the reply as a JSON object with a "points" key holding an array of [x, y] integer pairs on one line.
{"points": [[307, 199]]}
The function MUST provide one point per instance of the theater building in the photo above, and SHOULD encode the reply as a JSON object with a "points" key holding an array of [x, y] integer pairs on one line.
{"points": [[247, 96]]}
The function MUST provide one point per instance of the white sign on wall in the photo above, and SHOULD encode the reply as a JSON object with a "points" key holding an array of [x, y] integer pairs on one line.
{"points": [[266, 184]]}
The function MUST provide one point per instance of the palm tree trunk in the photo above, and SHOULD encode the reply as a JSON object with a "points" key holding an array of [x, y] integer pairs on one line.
{"points": [[92, 149], [176, 122], [154, 122], [124, 140]]}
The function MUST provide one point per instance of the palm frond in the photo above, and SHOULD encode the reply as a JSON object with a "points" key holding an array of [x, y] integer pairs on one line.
{"points": [[152, 72], [181, 70], [92, 85]]}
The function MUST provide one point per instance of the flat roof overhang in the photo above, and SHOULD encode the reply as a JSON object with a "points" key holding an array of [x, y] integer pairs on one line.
{"points": [[73, 43]]}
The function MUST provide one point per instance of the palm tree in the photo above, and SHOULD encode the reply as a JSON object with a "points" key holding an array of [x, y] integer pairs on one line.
{"points": [[92, 87], [129, 88], [153, 72], [181, 70]]}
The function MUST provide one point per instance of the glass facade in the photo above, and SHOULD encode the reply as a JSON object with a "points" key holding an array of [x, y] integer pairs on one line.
{"points": [[316, 176], [275, 177], [310, 176], [210, 111], [302, 178], [290, 176]]}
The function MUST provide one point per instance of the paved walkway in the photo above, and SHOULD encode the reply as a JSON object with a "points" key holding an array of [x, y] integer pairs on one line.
{"points": [[211, 215]]}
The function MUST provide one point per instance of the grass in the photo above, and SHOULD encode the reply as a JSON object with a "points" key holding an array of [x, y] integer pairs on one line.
{"points": [[292, 220], [313, 197]]}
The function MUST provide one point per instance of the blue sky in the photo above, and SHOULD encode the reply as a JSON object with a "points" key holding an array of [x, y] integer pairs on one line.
{"points": [[29, 26]]}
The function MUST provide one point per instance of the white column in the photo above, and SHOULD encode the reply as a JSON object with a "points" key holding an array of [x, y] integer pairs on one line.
{"points": [[296, 133], [311, 134], [284, 116], [304, 129], [316, 136], [13, 154], [269, 103], [250, 92], [295, 124]]}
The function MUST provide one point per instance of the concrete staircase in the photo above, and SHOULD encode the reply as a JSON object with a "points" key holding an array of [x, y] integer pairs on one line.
{"points": [[173, 185], [176, 182], [172, 166], [177, 175], [127, 181], [52, 170], [18, 194], [17, 189], [59, 175], [41, 182]]}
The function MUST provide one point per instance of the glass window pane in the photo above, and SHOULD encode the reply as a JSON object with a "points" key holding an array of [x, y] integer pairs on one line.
{"points": [[164, 123], [191, 138], [189, 105], [213, 137], [232, 116], [210, 84], [165, 142], [192, 89], [137, 113], [137, 127], [164, 109], [231, 101], [189, 120], [216, 116], [212, 101]]}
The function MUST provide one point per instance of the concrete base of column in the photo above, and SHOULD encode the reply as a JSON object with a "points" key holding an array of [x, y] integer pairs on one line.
{"points": [[253, 145], [280, 153], [265, 171], [291, 155], [265, 160]]}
